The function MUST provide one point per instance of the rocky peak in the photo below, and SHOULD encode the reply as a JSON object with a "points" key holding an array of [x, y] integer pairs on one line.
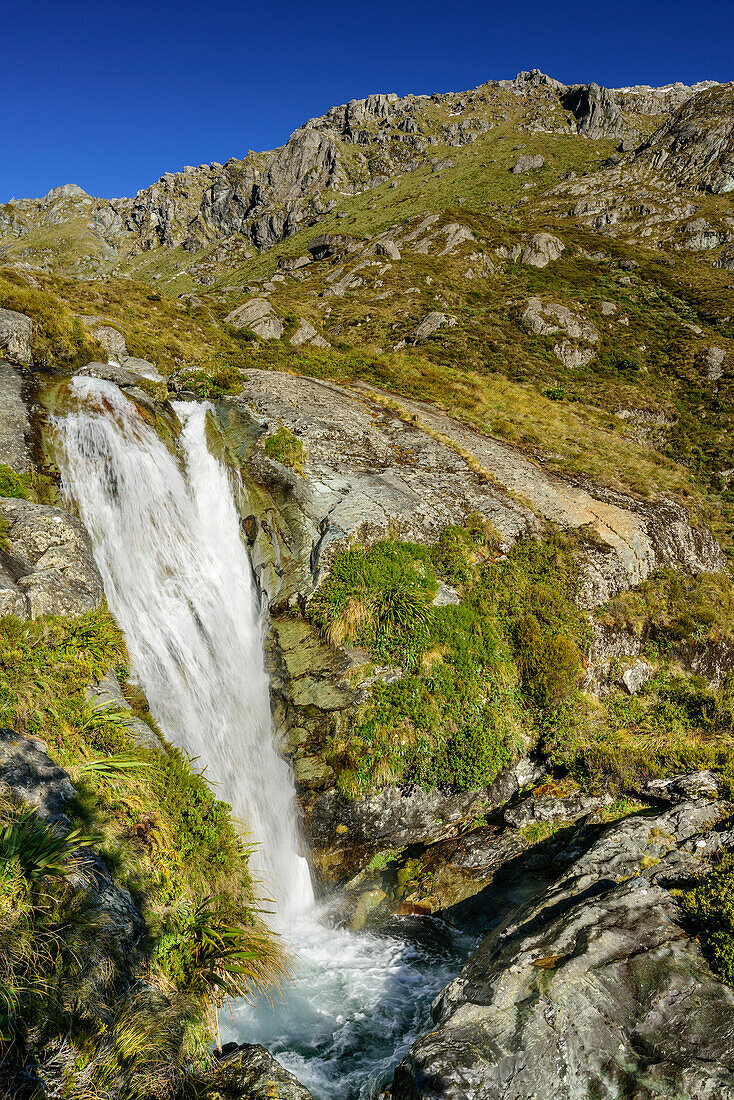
{"points": [[695, 147]]}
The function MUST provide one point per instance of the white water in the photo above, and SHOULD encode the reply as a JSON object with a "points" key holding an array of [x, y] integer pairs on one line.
{"points": [[178, 581]]}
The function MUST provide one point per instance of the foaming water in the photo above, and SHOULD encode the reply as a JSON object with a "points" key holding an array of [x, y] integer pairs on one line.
{"points": [[357, 1003], [177, 577]]}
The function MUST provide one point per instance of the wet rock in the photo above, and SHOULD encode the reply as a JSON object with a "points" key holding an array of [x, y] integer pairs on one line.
{"points": [[110, 372], [16, 331], [48, 567], [249, 1072], [543, 248], [527, 162], [15, 427], [346, 833], [593, 984]]}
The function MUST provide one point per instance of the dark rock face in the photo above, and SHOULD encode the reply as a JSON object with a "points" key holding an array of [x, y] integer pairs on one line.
{"points": [[595, 109], [594, 986], [26, 767], [15, 428]]}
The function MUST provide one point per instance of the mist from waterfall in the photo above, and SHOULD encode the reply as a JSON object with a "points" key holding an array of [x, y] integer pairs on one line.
{"points": [[178, 581]]}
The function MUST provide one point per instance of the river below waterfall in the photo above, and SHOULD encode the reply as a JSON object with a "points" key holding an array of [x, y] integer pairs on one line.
{"points": [[177, 577]]}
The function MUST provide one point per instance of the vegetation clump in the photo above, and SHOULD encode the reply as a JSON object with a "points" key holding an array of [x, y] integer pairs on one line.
{"points": [[710, 904], [472, 676], [162, 833], [287, 448]]}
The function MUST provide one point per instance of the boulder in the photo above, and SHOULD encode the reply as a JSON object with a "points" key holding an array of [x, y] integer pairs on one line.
{"points": [[527, 162], [27, 769], [108, 336], [48, 567], [110, 372], [16, 331], [251, 1073], [714, 363], [387, 248], [593, 986], [431, 324], [637, 674], [257, 314], [331, 244], [15, 428], [307, 334], [725, 259], [541, 249]]}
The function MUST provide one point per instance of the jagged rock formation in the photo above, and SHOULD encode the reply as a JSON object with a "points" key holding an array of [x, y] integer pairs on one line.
{"points": [[265, 197], [594, 983]]}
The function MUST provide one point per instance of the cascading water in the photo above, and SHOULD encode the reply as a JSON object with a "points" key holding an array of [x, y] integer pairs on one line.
{"points": [[178, 581]]}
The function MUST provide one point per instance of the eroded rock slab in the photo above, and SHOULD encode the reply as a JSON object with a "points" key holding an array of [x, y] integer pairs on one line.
{"points": [[592, 987]]}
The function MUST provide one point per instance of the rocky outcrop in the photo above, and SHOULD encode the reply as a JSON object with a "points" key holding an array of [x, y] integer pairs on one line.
{"points": [[15, 426], [541, 250], [16, 331], [594, 985], [551, 318], [106, 694], [527, 162], [258, 315], [695, 147], [249, 1071], [47, 566], [595, 109], [402, 468]]}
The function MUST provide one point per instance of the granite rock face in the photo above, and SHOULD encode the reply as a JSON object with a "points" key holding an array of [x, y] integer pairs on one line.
{"points": [[15, 426], [594, 986], [48, 567], [16, 331]]}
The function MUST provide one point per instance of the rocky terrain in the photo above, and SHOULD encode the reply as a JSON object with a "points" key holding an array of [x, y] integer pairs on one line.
{"points": [[469, 360]]}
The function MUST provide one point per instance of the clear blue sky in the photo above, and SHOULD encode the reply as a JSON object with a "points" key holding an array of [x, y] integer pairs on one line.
{"points": [[110, 96]]}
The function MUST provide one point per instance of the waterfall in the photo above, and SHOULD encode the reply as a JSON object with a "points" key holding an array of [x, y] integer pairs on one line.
{"points": [[178, 581]]}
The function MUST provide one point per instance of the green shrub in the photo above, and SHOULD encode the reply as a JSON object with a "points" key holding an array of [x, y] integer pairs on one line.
{"points": [[473, 673], [287, 448], [711, 906]]}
